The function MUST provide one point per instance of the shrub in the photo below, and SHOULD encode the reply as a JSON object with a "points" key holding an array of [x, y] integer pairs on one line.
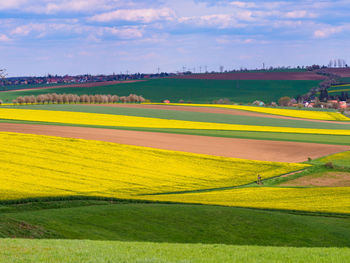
{"points": [[329, 165]]}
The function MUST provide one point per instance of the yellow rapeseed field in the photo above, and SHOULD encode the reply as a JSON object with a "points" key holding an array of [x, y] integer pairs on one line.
{"points": [[323, 199], [305, 114], [82, 118], [42, 166]]}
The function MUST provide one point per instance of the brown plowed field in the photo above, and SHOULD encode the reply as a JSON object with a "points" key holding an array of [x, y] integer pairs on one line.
{"points": [[80, 85], [228, 147], [256, 76], [331, 179], [343, 72], [208, 110]]}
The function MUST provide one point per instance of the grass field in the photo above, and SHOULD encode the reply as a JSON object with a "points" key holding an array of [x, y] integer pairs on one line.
{"points": [[171, 223], [198, 91], [30, 86], [108, 251], [340, 159]]}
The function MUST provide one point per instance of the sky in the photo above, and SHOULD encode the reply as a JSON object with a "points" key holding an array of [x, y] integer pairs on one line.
{"points": [[40, 37]]}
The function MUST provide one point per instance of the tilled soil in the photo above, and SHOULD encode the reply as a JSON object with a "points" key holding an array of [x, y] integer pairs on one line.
{"points": [[331, 179]]}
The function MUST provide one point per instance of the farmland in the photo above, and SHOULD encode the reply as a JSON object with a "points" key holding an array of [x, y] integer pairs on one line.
{"points": [[282, 75], [196, 91], [128, 174], [89, 162], [145, 122], [314, 115]]}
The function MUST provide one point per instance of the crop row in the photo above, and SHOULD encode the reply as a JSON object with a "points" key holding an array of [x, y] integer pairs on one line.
{"points": [[82, 118], [44, 166], [305, 114]]}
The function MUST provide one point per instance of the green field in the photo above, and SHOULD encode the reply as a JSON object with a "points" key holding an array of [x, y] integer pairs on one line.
{"points": [[29, 86], [73, 251], [198, 91], [171, 223]]}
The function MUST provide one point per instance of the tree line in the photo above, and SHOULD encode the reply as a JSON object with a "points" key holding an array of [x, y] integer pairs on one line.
{"points": [[74, 98]]}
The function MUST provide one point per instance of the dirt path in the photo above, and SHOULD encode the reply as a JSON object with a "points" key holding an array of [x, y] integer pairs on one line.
{"points": [[209, 110], [228, 147]]}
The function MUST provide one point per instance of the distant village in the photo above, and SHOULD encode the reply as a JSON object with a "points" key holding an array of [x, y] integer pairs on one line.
{"points": [[55, 79]]}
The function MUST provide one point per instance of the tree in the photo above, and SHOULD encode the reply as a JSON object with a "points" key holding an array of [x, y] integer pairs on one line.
{"points": [[3, 73], [284, 101]]}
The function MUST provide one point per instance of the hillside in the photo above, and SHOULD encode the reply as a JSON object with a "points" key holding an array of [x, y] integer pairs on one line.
{"points": [[196, 91]]}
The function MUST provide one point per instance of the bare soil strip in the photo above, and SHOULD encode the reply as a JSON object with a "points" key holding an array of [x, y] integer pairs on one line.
{"points": [[209, 110], [79, 85], [331, 179], [278, 151]]}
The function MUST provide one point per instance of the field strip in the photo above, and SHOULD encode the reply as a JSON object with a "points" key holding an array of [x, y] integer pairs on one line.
{"points": [[47, 166], [322, 199], [302, 114], [75, 85], [280, 151], [80, 118], [338, 90], [206, 109]]}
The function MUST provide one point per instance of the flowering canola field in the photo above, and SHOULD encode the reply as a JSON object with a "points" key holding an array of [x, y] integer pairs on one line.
{"points": [[82, 118], [322, 199], [43, 166], [305, 114]]}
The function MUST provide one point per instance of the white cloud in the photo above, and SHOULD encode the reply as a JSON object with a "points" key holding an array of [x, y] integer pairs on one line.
{"points": [[125, 32], [326, 32], [243, 4], [136, 15], [25, 30], [10, 4], [4, 38], [70, 6], [219, 20], [299, 14]]}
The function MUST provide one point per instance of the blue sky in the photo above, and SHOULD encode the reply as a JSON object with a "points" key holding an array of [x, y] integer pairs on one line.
{"points": [[38, 37]]}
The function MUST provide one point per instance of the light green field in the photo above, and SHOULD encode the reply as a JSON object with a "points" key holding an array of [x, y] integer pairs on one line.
{"points": [[20, 250]]}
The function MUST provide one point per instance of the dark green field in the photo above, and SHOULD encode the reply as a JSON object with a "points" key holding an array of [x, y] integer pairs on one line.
{"points": [[198, 91], [171, 223]]}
